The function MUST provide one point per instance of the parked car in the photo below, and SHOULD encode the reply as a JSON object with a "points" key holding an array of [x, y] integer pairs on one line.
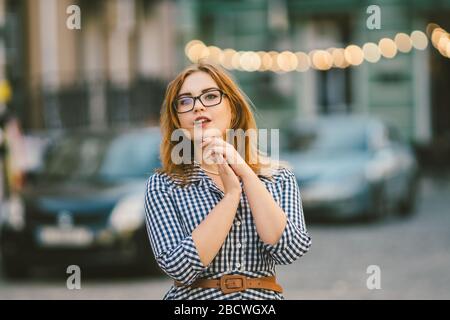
{"points": [[86, 206], [351, 166]]}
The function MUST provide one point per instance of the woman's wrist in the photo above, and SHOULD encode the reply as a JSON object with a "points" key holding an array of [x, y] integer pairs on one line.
{"points": [[234, 194], [247, 173]]}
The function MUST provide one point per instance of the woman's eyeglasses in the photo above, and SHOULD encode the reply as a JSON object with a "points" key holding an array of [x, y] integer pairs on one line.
{"points": [[207, 99]]}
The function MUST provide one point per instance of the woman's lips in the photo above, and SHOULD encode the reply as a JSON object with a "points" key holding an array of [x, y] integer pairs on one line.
{"points": [[202, 122]]}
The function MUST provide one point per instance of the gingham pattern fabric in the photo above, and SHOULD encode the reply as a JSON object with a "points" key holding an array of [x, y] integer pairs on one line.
{"points": [[173, 212]]}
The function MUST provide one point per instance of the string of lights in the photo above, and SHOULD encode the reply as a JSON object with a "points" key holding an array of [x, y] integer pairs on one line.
{"points": [[352, 55]]}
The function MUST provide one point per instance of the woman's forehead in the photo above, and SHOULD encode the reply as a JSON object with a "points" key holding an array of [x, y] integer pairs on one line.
{"points": [[196, 82]]}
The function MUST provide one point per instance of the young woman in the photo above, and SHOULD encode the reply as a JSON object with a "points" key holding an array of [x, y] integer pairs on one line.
{"points": [[218, 221]]}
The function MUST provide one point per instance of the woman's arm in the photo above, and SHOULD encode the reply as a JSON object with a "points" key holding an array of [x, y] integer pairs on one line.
{"points": [[270, 220], [294, 241], [174, 251], [184, 257], [211, 233], [280, 227]]}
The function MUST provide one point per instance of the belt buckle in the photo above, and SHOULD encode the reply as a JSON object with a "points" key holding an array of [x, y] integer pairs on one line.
{"points": [[232, 283]]}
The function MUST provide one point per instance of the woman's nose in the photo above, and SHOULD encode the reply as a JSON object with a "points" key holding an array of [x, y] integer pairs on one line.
{"points": [[198, 105]]}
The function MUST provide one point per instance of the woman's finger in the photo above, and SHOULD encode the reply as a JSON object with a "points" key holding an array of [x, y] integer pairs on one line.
{"points": [[232, 156], [212, 140], [208, 145], [205, 142], [209, 153], [216, 149], [224, 166]]}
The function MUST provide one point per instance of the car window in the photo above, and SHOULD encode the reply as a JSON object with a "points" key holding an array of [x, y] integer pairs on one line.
{"points": [[130, 155], [107, 157], [327, 136], [74, 157]]}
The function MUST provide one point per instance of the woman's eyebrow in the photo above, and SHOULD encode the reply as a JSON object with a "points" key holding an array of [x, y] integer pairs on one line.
{"points": [[203, 91]]}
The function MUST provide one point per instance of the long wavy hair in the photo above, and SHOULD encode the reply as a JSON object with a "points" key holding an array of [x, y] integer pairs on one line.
{"points": [[242, 118]]}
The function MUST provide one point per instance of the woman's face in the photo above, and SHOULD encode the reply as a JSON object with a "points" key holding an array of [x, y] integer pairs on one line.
{"points": [[219, 115]]}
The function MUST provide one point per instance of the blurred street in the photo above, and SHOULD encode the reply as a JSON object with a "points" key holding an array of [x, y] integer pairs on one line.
{"points": [[413, 255]]}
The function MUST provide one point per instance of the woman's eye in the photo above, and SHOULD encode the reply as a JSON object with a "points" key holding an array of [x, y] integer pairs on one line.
{"points": [[184, 102], [211, 96]]}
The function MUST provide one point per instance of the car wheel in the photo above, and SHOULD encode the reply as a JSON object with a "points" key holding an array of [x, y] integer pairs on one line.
{"points": [[407, 204]]}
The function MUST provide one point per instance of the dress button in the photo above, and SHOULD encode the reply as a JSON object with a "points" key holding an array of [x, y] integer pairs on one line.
{"points": [[238, 245], [238, 265], [238, 223]]}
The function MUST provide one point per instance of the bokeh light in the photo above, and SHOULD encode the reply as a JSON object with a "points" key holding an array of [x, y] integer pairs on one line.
{"points": [[287, 61], [419, 40], [227, 58], [338, 56], [322, 60], [354, 55], [371, 52], [387, 47], [403, 42], [304, 62]]}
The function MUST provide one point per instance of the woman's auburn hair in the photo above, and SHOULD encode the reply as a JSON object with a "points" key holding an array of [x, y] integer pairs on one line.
{"points": [[242, 118]]}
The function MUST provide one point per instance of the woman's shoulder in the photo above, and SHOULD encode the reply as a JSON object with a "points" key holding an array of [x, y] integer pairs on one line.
{"points": [[284, 173], [160, 180], [279, 173]]}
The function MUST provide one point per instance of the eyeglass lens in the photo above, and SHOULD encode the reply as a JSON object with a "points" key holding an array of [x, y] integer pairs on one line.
{"points": [[208, 99]]}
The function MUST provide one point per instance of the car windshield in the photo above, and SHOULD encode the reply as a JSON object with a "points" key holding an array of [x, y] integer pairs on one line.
{"points": [[329, 136], [96, 157]]}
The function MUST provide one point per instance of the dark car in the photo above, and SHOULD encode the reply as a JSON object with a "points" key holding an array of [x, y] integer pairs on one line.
{"points": [[85, 206], [351, 166]]}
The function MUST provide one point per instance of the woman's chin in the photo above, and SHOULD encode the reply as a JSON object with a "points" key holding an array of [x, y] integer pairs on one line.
{"points": [[210, 131]]}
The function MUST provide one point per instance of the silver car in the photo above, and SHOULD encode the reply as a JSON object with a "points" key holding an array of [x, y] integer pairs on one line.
{"points": [[351, 166]]}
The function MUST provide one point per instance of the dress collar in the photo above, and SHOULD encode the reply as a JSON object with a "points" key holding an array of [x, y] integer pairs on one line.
{"points": [[196, 173]]}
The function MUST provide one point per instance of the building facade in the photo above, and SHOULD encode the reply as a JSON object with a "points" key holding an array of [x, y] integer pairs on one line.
{"points": [[115, 68]]}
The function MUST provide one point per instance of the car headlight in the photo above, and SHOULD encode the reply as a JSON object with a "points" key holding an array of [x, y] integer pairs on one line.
{"points": [[375, 171], [381, 166], [128, 214], [14, 211]]}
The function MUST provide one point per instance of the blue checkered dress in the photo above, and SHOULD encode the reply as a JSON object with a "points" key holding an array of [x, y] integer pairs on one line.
{"points": [[174, 211]]}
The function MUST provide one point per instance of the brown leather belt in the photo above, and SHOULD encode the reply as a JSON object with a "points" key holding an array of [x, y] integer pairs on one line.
{"points": [[232, 283]]}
